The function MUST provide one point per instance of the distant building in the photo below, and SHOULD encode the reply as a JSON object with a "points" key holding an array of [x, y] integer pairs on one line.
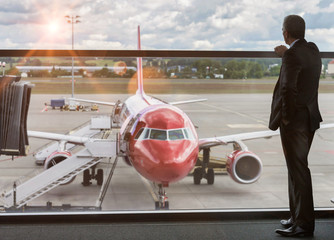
{"points": [[219, 75], [331, 67], [180, 68], [25, 69], [24, 74], [272, 65]]}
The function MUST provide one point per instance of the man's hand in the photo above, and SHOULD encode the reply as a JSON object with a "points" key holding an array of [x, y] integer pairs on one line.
{"points": [[280, 50]]}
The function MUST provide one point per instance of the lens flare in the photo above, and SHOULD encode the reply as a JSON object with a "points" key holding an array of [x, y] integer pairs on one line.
{"points": [[53, 27], [155, 81], [120, 68]]}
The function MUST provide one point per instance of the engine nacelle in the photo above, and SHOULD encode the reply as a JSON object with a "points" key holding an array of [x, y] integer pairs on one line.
{"points": [[55, 158], [244, 166]]}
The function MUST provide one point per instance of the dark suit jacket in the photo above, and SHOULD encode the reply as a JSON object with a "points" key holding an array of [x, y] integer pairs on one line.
{"points": [[296, 90]]}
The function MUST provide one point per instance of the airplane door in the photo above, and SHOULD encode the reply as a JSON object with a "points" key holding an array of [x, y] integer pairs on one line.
{"points": [[128, 131]]}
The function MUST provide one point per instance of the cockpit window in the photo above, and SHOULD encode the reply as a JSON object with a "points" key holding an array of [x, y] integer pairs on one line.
{"points": [[164, 135], [188, 133], [139, 133], [158, 134], [175, 134], [143, 133], [146, 133]]}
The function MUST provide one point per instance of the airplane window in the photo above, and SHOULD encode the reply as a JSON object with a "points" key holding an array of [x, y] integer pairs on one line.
{"points": [[188, 134], [158, 134], [175, 134], [139, 133], [146, 133], [143, 133]]}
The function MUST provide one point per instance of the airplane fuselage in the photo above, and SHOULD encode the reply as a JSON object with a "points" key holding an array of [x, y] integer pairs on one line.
{"points": [[160, 141]]}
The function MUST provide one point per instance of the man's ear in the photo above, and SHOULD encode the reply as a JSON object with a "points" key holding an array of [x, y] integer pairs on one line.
{"points": [[287, 35]]}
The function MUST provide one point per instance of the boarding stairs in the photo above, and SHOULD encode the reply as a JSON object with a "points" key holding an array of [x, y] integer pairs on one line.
{"points": [[93, 153], [95, 149], [88, 129]]}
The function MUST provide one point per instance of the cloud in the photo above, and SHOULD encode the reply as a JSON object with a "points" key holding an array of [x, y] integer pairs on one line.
{"points": [[99, 44], [324, 38], [202, 44], [173, 24], [98, 36]]}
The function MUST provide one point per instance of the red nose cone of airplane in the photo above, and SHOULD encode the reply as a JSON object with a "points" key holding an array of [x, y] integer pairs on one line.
{"points": [[164, 160]]}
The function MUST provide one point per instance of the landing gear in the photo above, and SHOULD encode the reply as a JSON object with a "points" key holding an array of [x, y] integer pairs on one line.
{"points": [[87, 176], [210, 176], [99, 177], [201, 172], [198, 175], [162, 202]]}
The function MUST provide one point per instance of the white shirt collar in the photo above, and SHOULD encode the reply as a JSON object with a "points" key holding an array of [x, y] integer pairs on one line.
{"points": [[293, 43]]}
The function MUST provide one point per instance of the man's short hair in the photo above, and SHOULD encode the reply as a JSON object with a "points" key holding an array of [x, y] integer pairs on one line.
{"points": [[295, 26]]}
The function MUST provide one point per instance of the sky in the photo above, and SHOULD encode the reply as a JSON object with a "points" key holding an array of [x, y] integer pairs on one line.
{"points": [[249, 25]]}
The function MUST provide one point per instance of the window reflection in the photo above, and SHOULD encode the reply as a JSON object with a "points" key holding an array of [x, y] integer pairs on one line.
{"points": [[158, 134], [175, 134], [164, 135]]}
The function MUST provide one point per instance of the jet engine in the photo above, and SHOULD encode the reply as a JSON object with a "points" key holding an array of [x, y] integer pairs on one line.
{"points": [[55, 158], [244, 166]]}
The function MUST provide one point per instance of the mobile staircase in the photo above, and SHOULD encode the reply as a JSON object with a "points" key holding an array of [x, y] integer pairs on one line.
{"points": [[89, 129], [93, 152]]}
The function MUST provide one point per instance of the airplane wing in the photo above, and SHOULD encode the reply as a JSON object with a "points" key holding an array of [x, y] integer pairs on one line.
{"points": [[224, 140], [113, 104], [92, 101], [188, 101], [58, 137]]}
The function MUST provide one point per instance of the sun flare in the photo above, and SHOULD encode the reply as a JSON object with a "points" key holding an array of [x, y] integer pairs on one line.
{"points": [[53, 27]]}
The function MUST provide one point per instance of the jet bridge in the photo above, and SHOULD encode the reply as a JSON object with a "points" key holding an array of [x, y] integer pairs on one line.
{"points": [[14, 105]]}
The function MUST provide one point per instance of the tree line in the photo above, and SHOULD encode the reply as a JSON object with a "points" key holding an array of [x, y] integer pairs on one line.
{"points": [[171, 68], [228, 68]]}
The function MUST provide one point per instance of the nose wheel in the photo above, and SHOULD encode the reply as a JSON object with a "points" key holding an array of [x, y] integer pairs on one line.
{"points": [[162, 202]]}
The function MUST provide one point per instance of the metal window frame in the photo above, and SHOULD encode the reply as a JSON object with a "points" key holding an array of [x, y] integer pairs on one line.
{"points": [[138, 216], [144, 53]]}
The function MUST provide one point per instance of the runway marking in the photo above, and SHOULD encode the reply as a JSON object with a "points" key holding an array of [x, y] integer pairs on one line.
{"points": [[200, 111], [317, 174], [330, 151], [270, 152], [231, 111], [149, 187], [246, 126]]}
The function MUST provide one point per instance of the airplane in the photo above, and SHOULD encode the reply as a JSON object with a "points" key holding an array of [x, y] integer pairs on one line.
{"points": [[160, 141]]}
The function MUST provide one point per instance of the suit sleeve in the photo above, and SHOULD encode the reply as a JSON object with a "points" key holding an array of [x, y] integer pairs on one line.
{"points": [[291, 69]]}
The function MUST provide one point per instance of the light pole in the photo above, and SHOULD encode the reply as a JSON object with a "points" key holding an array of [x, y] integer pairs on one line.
{"points": [[73, 20]]}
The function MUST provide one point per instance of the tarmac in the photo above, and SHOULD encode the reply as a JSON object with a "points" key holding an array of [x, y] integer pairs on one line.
{"points": [[221, 114]]}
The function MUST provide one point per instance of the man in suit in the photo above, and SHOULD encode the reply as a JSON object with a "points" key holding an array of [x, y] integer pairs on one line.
{"points": [[296, 112]]}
